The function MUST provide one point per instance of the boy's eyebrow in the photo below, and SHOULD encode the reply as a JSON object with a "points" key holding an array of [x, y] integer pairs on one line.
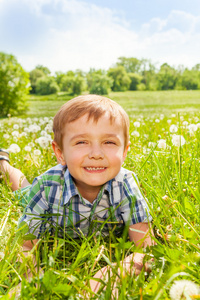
{"points": [[107, 135]]}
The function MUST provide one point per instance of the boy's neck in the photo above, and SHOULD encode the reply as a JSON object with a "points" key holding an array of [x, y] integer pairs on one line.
{"points": [[90, 194]]}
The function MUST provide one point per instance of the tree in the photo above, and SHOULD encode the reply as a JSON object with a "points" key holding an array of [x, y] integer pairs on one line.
{"points": [[121, 80], [44, 69], [130, 64], [14, 86], [34, 75], [72, 84], [135, 81], [100, 84], [167, 77], [46, 86]]}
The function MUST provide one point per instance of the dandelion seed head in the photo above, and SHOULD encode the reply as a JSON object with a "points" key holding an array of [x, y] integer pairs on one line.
{"points": [[180, 286], [173, 128], [135, 133], [136, 124], [14, 148], [162, 144], [178, 140]]}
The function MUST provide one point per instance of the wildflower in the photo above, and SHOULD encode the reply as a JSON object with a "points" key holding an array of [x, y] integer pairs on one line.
{"points": [[198, 125], [165, 197], [6, 136], [15, 133], [157, 121], [16, 126], [173, 115], [162, 144], [173, 128], [34, 128], [192, 128], [136, 124], [185, 123], [135, 133], [27, 148], [151, 144], [178, 140], [43, 141], [169, 121], [14, 148], [182, 287], [37, 152]]}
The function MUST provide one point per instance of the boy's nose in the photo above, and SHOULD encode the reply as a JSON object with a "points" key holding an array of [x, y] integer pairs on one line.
{"points": [[96, 153]]}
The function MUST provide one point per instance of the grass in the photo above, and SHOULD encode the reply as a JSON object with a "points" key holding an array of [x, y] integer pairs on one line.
{"points": [[169, 178]]}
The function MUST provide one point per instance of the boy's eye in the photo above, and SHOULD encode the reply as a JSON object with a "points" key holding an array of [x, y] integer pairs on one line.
{"points": [[110, 142], [80, 142]]}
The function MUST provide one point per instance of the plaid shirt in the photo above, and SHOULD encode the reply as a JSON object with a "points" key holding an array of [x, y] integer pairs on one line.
{"points": [[55, 205]]}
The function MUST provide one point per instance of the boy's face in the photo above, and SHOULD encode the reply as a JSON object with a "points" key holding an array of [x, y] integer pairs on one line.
{"points": [[93, 152]]}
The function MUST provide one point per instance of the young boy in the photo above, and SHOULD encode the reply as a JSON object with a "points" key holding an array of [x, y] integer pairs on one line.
{"points": [[89, 185]]}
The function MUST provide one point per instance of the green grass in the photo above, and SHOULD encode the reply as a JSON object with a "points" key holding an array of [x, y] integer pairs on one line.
{"points": [[169, 178], [134, 102]]}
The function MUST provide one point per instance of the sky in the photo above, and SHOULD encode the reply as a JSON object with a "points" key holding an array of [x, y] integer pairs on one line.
{"points": [[67, 35]]}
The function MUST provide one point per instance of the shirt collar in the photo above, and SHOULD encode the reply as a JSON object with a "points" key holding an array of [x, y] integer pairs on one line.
{"points": [[69, 189]]}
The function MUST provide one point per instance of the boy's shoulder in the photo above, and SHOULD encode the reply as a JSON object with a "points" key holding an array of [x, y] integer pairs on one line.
{"points": [[124, 174], [53, 176]]}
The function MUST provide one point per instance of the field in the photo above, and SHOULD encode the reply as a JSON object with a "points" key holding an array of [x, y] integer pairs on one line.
{"points": [[164, 153]]}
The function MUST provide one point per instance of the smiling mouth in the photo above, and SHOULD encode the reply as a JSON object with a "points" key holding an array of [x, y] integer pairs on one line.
{"points": [[95, 168]]}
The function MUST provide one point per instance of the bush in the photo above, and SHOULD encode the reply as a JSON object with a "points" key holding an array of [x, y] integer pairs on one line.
{"points": [[121, 80], [100, 84], [73, 84], [14, 86], [46, 86]]}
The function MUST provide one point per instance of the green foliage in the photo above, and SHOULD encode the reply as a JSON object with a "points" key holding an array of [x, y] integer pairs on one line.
{"points": [[170, 180], [100, 84], [72, 84], [135, 81], [121, 80], [14, 86], [167, 77], [130, 64], [34, 75], [46, 86], [44, 69]]}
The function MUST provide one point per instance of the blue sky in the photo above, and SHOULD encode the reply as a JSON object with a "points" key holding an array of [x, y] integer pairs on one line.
{"points": [[72, 34]]}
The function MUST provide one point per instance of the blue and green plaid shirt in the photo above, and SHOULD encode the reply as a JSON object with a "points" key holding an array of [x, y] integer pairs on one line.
{"points": [[55, 205]]}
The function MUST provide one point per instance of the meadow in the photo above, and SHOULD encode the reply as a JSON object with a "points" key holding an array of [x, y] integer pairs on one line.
{"points": [[164, 153]]}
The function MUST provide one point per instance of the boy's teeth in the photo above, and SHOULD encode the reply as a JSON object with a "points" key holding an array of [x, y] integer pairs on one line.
{"points": [[94, 169]]}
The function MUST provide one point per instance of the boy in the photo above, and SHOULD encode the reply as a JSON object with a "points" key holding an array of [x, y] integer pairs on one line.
{"points": [[91, 140]]}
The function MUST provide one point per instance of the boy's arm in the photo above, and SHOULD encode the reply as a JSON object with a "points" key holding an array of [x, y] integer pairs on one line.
{"points": [[28, 246], [141, 234]]}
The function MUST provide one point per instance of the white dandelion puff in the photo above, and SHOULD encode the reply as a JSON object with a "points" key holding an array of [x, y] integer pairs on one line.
{"points": [[136, 124], [135, 133], [173, 128], [27, 148], [181, 287], [14, 148], [178, 140], [162, 144], [37, 152]]}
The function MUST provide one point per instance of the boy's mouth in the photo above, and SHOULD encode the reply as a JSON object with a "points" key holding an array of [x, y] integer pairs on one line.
{"points": [[95, 168]]}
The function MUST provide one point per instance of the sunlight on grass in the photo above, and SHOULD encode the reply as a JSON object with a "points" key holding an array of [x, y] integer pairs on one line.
{"points": [[169, 178]]}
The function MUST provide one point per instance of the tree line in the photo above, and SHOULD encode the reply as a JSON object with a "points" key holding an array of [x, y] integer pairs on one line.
{"points": [[127, 74]]}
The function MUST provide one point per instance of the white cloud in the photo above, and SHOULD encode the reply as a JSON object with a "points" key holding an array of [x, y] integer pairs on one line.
{"points": [[71, 34]]}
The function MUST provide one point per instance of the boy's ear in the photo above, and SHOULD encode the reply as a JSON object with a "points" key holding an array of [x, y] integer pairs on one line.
{"points": [[58, 153], [126, 150]]}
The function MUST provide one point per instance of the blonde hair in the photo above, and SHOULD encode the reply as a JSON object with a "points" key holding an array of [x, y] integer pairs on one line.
{"points": [[93, 105]]}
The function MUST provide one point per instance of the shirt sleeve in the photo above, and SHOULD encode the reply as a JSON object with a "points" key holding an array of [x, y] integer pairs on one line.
{"points": [[36, 213], [134, 208]]}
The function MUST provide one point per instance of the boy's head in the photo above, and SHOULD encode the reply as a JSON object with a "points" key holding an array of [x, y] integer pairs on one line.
{"points": [[94, 107]]}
